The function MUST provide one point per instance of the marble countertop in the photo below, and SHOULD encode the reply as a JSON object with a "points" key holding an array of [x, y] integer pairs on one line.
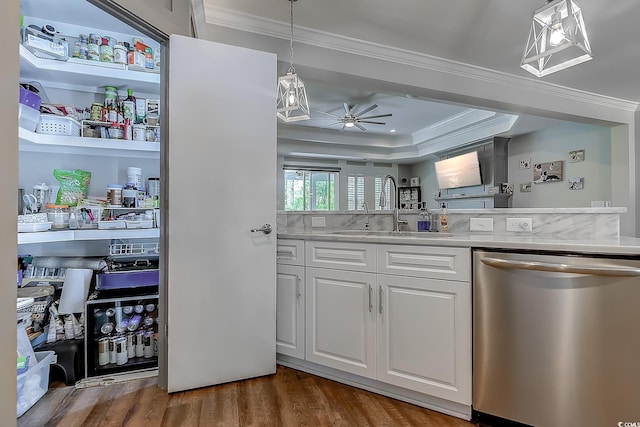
{"points": [[611, 246]]}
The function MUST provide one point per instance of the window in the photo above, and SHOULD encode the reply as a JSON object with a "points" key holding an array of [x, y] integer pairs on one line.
{"points": [[306, 190], [378, 189], [355, 191]]}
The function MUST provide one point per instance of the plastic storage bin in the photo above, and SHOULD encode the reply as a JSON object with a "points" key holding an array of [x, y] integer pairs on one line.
{"points": [[28, 117], [34, 383], [52, 124], [29, 98]]}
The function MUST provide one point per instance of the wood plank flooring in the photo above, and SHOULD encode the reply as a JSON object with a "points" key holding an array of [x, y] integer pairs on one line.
{"points": [[288, 398]]}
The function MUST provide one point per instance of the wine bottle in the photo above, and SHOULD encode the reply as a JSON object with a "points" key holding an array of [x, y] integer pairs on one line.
{"points": [[129, 105]]}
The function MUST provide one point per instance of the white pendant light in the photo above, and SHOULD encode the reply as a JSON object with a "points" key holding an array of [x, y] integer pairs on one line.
{"points": [[292, 97], [557, 40]]}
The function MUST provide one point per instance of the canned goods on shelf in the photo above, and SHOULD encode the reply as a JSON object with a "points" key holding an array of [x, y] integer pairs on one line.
{"points": [[110, 96], [93, 52], [119, 54], [106, 53]]}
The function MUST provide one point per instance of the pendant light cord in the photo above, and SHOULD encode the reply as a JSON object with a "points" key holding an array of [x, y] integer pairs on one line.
{"points": [[291, 69]]}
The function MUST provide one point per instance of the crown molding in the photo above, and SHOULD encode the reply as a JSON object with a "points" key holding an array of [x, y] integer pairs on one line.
{"points": [[278, 29]]}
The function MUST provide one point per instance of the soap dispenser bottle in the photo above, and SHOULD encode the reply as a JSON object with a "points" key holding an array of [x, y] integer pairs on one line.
{"points": [[444, 224]]}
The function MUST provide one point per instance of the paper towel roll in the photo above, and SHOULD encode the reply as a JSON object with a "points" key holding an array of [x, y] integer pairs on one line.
{"points": [[75, 290]]}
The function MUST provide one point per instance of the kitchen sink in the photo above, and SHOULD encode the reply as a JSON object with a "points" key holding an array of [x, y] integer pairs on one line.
{"points": [[386, 233]]}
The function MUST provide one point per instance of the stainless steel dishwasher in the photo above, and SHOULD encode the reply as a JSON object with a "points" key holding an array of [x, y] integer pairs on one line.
{"points": [[556, 339]]}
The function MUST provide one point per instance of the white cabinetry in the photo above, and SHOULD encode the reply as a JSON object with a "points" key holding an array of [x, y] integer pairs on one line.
{"points": [[290, 298], [396, 314], [340, 328], [340, 320], [424, 322]]}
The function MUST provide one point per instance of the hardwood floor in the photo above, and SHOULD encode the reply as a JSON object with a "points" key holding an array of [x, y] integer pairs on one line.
{"points": [[288, 398]]}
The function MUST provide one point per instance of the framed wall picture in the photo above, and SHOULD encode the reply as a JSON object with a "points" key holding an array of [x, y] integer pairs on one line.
{"points": [[576, 183], [547, 172], [525, 187], [576, 156]]}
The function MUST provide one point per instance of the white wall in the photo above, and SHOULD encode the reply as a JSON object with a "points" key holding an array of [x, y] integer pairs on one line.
{"points": [[554, 144]]}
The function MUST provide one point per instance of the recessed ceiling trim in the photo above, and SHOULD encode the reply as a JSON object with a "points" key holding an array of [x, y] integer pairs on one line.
{"points": [[278, 29], [494, 125], [451, 124]]}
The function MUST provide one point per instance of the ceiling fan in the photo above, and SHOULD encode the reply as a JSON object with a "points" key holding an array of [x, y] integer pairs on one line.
{"points": [[353, 118]]}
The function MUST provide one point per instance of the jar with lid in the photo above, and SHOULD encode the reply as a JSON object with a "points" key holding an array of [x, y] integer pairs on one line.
{"points": [[129, 195], [114, 194], [58, 215], [120, 54], [84, 46], [153, 188]]}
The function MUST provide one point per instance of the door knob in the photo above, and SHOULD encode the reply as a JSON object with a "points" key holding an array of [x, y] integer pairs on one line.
{"points": [[266, 229]]}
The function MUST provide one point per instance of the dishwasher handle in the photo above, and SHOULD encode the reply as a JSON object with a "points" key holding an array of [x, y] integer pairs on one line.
{"points": [[617, 271]]}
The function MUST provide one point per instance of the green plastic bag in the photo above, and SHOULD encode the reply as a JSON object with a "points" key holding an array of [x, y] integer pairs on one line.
{"points": [[73, 186]]}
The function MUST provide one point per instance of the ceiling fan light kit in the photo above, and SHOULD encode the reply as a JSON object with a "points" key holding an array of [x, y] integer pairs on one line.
{"points": [[557, 39], [352, 118], [292, 103]]}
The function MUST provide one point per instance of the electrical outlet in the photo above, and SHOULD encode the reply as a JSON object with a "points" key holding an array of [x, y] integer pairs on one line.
{"points": [[520, 225], [318, 221], [481, 224]]}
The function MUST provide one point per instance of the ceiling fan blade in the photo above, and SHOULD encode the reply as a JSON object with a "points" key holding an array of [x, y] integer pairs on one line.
{"points": [[374, 117], [370, 122], [366, 110], [359, 126], [329, 114], [343, 128], [331, 124], [347, 109]]}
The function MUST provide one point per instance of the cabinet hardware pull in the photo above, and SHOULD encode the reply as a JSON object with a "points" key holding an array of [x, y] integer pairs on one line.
{"points": [[370, 301], [380, 299], [298, 293]]}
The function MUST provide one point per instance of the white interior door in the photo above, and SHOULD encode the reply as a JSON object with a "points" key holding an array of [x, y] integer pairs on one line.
{"points": [[221, 183]]}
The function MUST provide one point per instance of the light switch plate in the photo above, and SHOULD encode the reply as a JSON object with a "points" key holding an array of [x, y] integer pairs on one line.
{"points": [[522, 225], [318, 221], [481, 224]]}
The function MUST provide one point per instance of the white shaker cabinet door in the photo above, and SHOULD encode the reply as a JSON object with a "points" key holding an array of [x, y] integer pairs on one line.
{"points": [[290, 310], [220, 172], [424, 336], [341, 320]]}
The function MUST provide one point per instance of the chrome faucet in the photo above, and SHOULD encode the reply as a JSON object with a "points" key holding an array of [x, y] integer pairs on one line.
{"points": [[383, 201], [366, 208]]}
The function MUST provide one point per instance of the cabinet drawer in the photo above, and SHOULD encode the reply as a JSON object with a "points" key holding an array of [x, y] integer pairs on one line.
{"points": [[290, 252], [425, 261], [341, 256]]}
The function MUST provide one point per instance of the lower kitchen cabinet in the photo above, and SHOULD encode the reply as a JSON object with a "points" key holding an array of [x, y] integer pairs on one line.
{"points": [[290, 319], [424, 336], [391, 318], [341, 320]]}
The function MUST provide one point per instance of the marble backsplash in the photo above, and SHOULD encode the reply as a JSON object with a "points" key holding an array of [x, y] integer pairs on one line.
{"points": [[560, 223]]}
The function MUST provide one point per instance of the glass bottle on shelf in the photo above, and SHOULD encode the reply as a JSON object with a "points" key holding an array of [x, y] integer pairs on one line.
{"points": [[129, 106]]}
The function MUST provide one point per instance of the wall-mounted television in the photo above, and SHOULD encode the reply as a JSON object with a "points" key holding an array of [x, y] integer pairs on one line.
{"points": [[459, 171]]}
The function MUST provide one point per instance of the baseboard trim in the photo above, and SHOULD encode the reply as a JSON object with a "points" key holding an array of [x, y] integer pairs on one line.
{"points": [[419, 399]]}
